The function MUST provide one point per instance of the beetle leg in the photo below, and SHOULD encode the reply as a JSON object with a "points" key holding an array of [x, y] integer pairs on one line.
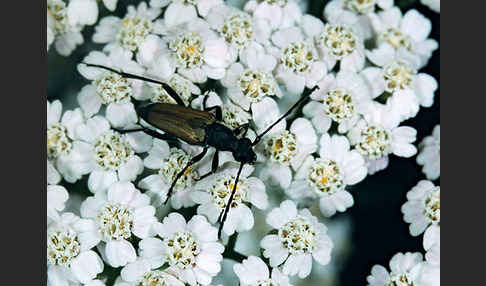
{"points": [[217, 108], [194, 160], [241, 131], [214, 165], [226, 210]]}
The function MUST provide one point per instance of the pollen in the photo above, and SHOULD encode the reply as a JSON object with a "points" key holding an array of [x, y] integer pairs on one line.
{"points": [[62, 247], [400, 280], [396, 38], [340, 40], [58, 143], [174, 163], [398, 76], [57, 10], [255, 85], [298, 57], [298, 236], [282, 148], [115, 222], [325, 177], [133, 32], [113, 88], [233, 116], [338, 104], [432, 206], [179, 84], [156, 278], [188, 50], [237, 29], [182, 250], [374, 142], [221, 190], [112, 150]]}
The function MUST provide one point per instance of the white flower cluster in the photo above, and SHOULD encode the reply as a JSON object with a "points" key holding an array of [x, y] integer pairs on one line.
{"points": [[364, 57]]}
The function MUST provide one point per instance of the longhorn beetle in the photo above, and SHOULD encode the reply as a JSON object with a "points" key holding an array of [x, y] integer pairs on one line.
{"points": [[201, 128]]}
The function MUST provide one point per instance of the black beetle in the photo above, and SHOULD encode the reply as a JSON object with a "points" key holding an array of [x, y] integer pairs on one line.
{"points": [[201, 128]]}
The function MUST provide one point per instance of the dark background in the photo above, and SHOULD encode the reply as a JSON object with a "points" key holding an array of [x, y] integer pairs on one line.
{"points": [[378, 227]]}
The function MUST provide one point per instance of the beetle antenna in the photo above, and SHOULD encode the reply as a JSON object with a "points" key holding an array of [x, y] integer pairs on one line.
{"points": [[307, 93], [169, 89], [228, 205]]}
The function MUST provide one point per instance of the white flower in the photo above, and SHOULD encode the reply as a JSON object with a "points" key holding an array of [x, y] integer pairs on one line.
{"points": [[402, 37], [119, 213], [194, 51], [56, 199], [299, 62], [429, 155], [183, 11], [355, 12], [405, 270], [432, 4], [168, 162], [112, 154], [283, 149], [69, 254], [300, 238], [110, 4], [250, 83], [66, 32], [65, 152], [326, 177], [143, 273], [190, 249], [336, 41], [111, 89], [278, 13], [378, 135], [431, 270], [213, 194], [129, 32], [254, 272], [342, 99], [82, 12], [409, 89], [422, 211]]}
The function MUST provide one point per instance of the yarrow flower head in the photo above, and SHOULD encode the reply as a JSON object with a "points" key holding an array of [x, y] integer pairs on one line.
{"points": [[254, 272], [69, 255], [189, 248], [422, 211], [429, 155], [327, 176], [119, 214], [299, 238], [405, 270], [214, 192]]}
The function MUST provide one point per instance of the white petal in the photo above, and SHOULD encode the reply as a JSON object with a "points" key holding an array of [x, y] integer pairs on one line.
{"points": [[86, 266], [119, 253]]}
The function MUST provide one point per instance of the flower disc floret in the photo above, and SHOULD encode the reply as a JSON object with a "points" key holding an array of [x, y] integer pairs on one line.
{"points": [[112, 150], [221, 190], [112, 87], [182, 250], [298, 57], [398, 76], [237, 29], [133, 32], [374, 142], [155, 278], [188, 50], [233, 116], [281, 3], [400, 280], [325, 177], [340, 40], [396, 38], [338, 104], [256, 85], [62, 247], [58, 143], [159, 94], [298, 236], [172, 164], [115, 222], [432, 206], [282, 148]]}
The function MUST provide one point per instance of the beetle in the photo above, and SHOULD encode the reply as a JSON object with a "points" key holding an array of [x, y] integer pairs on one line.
{"points": [[200, 127]]}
